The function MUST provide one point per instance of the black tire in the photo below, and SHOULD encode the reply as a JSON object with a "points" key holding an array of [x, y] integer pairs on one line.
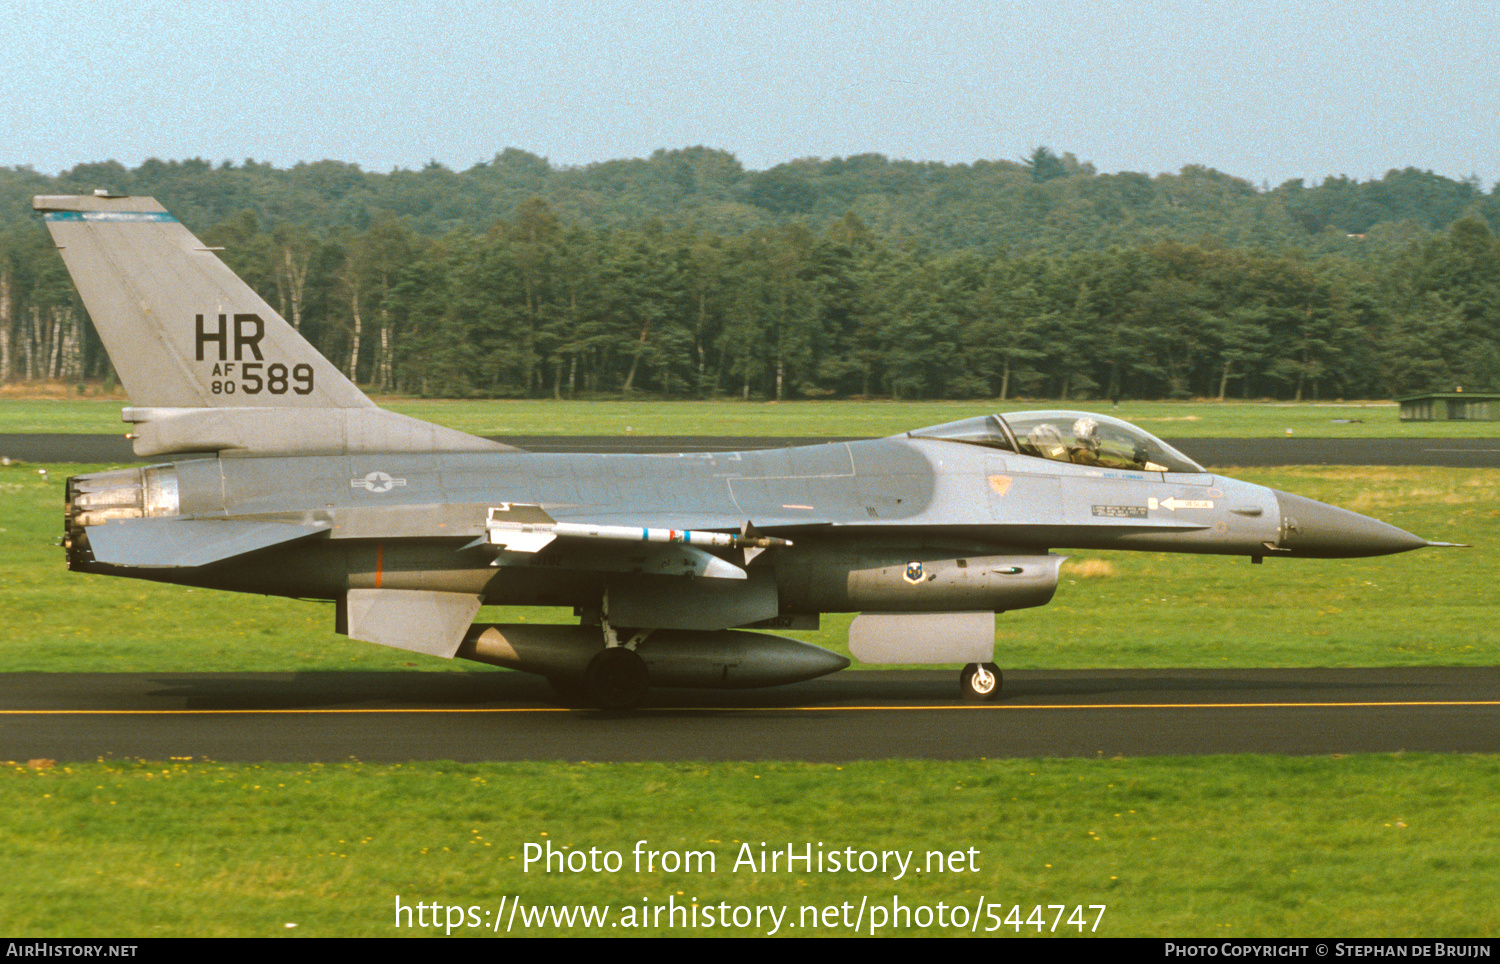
{"points": [[616, 679], [980, 683]]}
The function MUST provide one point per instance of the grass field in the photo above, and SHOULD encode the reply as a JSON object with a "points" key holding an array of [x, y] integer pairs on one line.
{"points": [[1401, 845], [802, 419], [1204, 847]]}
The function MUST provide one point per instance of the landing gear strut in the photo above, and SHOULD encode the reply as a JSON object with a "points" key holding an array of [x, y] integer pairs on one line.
{"points": [[980, 682], [617, 678]]}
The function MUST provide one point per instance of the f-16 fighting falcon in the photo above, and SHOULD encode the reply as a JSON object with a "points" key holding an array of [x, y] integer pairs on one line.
{"points": [[275, 474]]}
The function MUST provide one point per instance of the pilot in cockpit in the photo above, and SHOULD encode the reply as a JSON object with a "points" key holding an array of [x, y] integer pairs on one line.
{"points": [[1086, 450]]}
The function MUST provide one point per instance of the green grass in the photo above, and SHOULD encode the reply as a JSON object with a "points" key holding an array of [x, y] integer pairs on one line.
{"points": [[842, 418], [1121, 609], [1400, 845]]}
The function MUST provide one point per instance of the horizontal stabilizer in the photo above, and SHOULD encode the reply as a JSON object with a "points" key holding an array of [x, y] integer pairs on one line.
{"points": [[185, 543]]}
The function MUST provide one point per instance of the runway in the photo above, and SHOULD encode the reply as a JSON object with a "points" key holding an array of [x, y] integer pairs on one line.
{"points": [[1466, 453], [332, 717]]}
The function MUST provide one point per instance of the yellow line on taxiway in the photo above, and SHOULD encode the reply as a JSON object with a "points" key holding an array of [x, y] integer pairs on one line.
{"points": [[763, 709]]}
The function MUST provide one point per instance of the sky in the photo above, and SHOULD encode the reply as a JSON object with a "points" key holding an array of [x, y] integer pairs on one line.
{"points": [[1266, 91]]}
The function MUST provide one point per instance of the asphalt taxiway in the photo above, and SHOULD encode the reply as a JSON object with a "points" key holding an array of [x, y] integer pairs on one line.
{"points": [[496, 715]]}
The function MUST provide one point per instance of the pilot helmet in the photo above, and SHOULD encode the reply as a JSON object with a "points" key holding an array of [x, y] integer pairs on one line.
{"points": [[1048, 441], [1086, 430]]}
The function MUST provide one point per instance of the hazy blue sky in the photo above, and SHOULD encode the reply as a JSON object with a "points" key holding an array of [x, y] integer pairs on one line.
{"points": [[1266, 91]]}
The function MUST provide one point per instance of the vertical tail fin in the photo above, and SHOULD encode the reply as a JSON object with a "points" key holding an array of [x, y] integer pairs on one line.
{"points": [[208, 365], [181, 328]]}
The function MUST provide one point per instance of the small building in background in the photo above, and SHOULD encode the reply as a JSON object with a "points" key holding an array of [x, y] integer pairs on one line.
{"points": [[1450, 406]]}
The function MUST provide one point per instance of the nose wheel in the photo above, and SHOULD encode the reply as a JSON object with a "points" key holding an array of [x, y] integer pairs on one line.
{"points": [[980, 682]]}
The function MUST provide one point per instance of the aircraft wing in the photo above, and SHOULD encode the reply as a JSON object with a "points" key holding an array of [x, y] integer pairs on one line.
{"points": [[186, 543]]}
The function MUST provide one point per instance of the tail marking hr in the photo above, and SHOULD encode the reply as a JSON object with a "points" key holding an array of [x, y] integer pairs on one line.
{"points": [[208, 364]]}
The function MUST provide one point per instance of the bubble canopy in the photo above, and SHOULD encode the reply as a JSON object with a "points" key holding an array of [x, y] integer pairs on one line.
{"points": [[1081, 438]]}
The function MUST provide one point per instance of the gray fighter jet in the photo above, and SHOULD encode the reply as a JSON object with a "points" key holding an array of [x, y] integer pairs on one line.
{"points": [[278, 476]]}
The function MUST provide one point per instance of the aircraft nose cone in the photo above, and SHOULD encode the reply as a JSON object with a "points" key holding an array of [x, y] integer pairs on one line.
{"points": [[1311, 528]]}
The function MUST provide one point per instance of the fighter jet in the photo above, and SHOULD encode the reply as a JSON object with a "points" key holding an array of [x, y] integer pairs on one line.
{"points": [[275, 474]]}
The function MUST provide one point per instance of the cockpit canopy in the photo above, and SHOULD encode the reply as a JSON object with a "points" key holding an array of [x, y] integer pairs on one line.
{"points": [[1077, 437]]}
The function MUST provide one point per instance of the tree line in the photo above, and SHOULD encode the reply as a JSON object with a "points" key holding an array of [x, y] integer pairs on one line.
{"points": [[747, 285]]}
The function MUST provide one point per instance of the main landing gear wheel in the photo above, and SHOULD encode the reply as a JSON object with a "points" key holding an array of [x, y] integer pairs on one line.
{"points": [[980, 682], [616, 678]]}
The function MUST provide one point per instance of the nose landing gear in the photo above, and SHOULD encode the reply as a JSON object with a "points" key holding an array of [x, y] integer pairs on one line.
{"points": [[980, 682]]}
